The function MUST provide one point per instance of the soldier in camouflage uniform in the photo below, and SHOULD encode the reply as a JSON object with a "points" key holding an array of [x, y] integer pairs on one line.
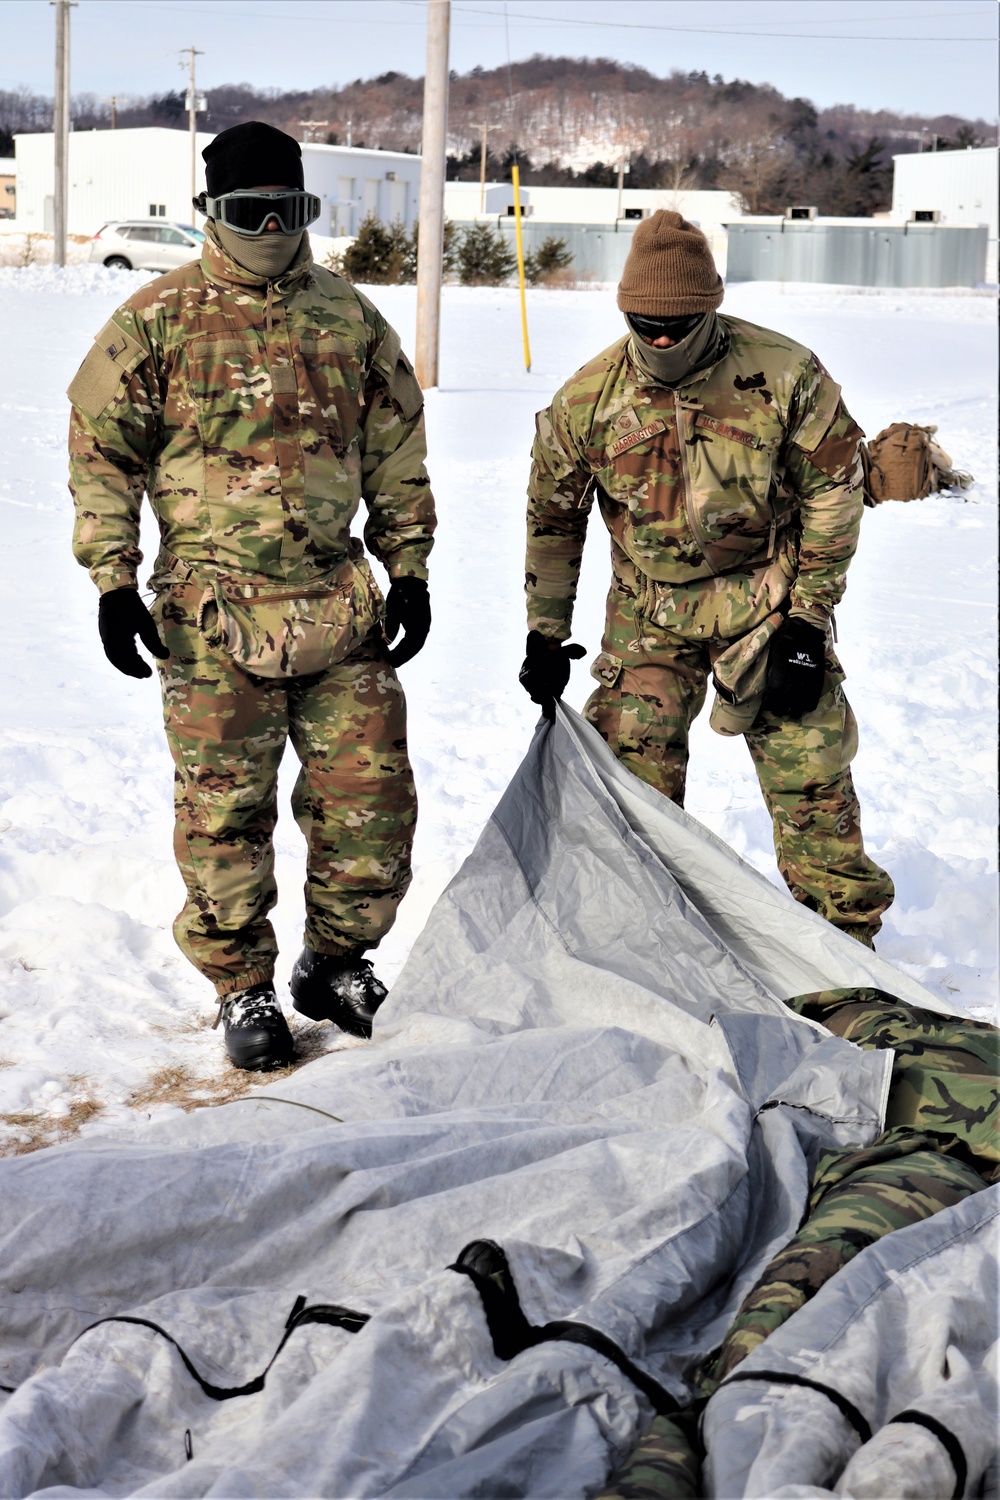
{"points": [[726, 468], [257, 398]]}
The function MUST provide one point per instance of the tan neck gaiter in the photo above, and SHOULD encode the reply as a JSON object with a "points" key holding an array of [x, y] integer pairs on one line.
{"points": [[266, 255], [673, 366]]}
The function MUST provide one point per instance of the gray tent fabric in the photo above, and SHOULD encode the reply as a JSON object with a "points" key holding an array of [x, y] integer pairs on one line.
{"points": [[574, 1064], [908, 1328]]}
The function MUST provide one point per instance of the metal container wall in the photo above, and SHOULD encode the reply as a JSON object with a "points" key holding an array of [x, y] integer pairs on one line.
{"points": [[598, 250], [863, 254]]}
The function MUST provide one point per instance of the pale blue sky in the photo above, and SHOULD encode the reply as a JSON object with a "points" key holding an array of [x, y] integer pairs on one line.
{"points": [[927, 56]]}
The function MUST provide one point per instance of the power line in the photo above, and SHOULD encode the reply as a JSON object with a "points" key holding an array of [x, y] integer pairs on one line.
{"points": [[192, 10], [795, 36]]}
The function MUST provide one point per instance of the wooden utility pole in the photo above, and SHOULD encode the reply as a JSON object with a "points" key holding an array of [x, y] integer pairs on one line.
{"points": [[309, 126], [430, 250], [60, 128], [193, 103], [485, 129], [623, 167]]}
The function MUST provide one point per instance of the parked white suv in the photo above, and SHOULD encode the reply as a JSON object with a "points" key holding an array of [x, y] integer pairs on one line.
{"points": [[146, 244]]}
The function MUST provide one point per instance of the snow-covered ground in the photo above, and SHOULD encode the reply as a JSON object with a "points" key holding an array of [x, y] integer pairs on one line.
{"points": [[102, 1020]]}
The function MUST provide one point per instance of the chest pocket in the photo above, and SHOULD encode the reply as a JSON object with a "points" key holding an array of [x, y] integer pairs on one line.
{"points": [[330, 402], [732, 473], [231, 393], [634, 461]]}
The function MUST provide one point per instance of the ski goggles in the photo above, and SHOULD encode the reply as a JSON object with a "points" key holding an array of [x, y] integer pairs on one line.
{"points": [[675, 329], [250, 210]]}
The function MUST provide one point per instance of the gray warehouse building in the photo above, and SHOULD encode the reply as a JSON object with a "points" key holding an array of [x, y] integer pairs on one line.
{"points": [[857, 252]]}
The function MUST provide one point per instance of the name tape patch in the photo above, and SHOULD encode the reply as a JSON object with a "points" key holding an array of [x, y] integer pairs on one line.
{"points": [[723, 429], [632, 438]]}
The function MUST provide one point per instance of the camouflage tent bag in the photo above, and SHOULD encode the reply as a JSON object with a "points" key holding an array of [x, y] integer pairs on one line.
{"points": [[271, 630], [904, 463]]}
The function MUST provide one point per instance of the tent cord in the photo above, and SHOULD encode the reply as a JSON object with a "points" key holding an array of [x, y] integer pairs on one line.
{"points": [[301, 1314], [274, 1099]]}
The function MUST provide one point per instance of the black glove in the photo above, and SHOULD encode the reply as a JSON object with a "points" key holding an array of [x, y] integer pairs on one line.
{"points": [[121, 616], [546, 668], [408, 604], [796, 666]]}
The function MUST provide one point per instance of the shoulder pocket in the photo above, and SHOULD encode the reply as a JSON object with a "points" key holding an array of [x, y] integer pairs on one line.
{"points": [[108, 365], [816, 425], [398, 374]]}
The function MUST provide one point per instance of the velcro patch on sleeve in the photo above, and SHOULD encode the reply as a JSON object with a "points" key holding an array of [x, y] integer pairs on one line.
{"points": [[723, 429], [405, 388], [815, 426], [632, 439], [112, 359], [398, 375]]}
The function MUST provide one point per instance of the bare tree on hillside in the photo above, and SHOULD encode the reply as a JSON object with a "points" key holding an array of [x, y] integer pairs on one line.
{"points": [[757, 168]]}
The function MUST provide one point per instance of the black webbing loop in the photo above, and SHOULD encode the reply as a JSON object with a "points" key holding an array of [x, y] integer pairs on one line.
{"points": [[581, 1333], [300, 1315], [785, 1377], [949, 1443], [511, 1332]]}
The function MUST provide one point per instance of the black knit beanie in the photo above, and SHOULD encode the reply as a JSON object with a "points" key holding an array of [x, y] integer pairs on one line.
{"points": [[249, 156]]}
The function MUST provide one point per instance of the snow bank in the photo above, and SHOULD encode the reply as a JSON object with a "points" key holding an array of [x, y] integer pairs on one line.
{"points": [[103, 1021]]}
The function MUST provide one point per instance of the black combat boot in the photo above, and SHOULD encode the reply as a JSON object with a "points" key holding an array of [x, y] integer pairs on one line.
{"points": [[334, 988], [257, 1034]]}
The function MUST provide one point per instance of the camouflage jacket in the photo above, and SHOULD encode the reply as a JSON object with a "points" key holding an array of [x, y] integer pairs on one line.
{"points": [[256, 417], [700, 480]]}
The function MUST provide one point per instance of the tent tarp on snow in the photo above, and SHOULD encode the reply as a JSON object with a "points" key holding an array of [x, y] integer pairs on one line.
{"points": [[572, 1064]]}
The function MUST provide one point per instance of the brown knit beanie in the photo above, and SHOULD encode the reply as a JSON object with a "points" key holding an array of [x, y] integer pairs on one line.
{"points": [[669, 270]]}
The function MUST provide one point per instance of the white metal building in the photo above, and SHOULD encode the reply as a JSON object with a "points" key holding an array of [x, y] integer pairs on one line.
{"points": [[113, 174], [146, 173], [709, 209], [353, 183], [960, 186]]}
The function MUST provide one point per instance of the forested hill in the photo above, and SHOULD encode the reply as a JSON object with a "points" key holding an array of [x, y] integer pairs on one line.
{"points": [[571, 119]]}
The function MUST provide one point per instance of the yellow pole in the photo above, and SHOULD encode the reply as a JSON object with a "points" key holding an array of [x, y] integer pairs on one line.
{"points": [[516, 179]]}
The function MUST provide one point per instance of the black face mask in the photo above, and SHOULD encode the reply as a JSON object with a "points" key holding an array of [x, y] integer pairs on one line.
{"points": [[650, 329]]}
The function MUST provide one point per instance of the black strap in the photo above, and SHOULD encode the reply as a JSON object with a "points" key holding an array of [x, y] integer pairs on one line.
{"points": [[581, 1333], [301, 1314], [949, 1443], [511, 1332], [785, 1377]]}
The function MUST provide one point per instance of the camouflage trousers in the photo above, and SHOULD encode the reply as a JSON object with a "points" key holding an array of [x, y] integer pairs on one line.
{"points": [[944, 1068], [857, 1197], [653, 676], [354, 798]]}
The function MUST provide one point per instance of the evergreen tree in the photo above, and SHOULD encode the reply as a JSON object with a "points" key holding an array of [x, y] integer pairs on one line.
{"points": [[485, 257], [545, 263], [381, 255]]}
